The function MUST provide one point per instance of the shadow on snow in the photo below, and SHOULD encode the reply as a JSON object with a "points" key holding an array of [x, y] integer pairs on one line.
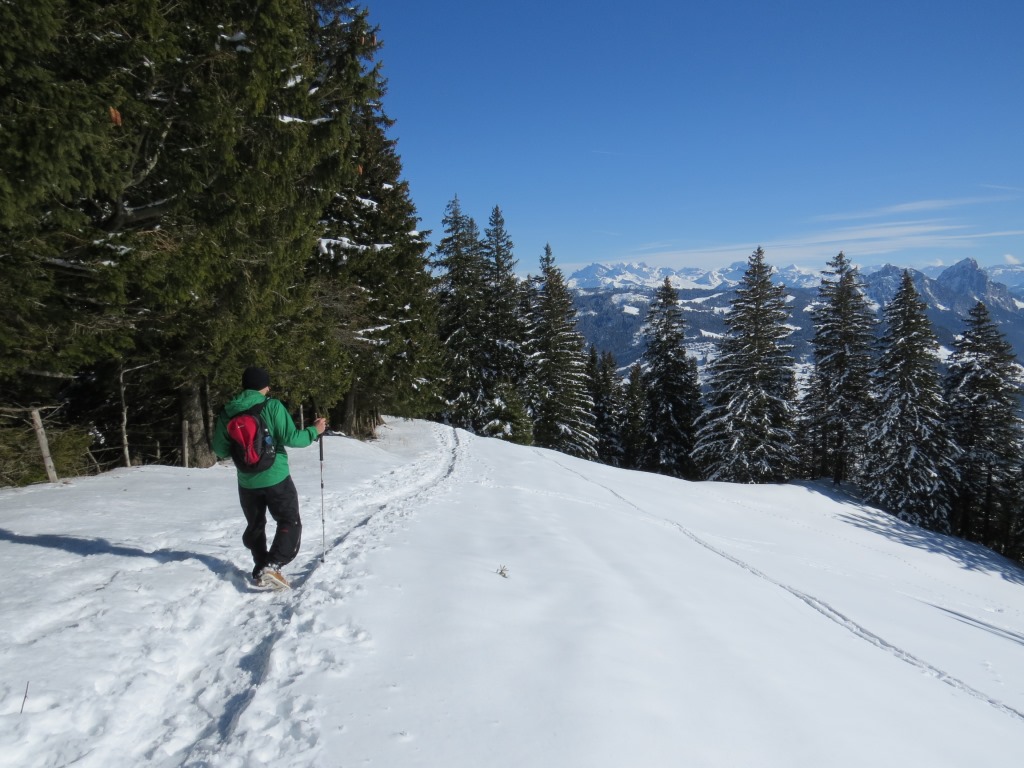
{"points": [[85, 547], [969, 555]]}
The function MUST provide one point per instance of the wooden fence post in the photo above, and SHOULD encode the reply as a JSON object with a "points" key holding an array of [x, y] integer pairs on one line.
{"points": [[44, 446], [124, 421]]}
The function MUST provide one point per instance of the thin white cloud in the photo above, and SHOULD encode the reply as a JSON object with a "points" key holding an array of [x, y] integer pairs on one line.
{"points": [[888, 233], [867, 243], [1003, 187], [916, 206]]}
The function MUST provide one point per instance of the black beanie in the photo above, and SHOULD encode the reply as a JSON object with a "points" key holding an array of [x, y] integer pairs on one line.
{"points": [[255, 378]]}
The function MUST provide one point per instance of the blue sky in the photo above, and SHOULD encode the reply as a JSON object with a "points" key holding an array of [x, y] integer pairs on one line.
{"points": [[684, 133]]}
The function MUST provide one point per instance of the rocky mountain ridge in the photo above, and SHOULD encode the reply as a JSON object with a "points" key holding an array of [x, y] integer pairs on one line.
{"points": [[612, 302]]}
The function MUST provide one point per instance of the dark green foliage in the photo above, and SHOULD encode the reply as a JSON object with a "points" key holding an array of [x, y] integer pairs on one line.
{"points": [[608, 394], [564, 415], [166, 173], [371, 273], [508, 416], [59, 146], [462, 319], [982, 399], [506, 354], [909, 459], [485, 330], [838, 400], [635, 426], [21, 461], [507, 330], [673, 391], [745, 434]]}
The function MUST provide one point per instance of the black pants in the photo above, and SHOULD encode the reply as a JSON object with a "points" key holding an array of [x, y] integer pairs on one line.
{"points": [[282, 501]]}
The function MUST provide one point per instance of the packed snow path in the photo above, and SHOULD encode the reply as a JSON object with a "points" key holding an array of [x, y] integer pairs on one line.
{"points": [[641, 621], [162, 651]]}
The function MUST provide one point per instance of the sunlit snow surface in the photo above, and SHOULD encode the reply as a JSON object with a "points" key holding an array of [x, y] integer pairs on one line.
{"points": [[642, 621]]}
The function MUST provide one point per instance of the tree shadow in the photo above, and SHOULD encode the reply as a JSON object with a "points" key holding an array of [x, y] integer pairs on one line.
{"points": [[969, 555], [85, 547]]}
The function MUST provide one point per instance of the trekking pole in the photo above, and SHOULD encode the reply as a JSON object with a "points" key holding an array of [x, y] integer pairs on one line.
{"points": [[323, 520]]}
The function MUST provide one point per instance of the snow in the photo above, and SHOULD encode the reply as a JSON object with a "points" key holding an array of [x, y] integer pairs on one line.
{"points": [[643, 621], [702, 299], [711, 335]]}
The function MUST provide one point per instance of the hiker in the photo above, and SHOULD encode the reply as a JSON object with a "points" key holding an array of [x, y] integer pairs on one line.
{"points": [[271, 489]]}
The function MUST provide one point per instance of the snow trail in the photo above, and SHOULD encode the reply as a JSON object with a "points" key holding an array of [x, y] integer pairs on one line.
{"points": [[309, 630]]}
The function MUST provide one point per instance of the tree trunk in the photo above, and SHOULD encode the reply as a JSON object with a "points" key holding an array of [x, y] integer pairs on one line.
{"points": [[44, 446], [359, 422], [124, 420], [211, 418], [349, 420], [199, 451]]}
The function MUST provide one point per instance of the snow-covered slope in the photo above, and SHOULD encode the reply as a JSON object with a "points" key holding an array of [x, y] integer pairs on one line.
{"points": [[644, 621]]}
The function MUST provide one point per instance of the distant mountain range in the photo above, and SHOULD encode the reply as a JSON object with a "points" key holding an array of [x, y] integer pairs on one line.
{"points": [[640, 275], [612, 301]]}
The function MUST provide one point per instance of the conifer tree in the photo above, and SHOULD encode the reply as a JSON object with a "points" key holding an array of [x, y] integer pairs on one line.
{"points": [[63, 151], [745, 433], [609, 403], [982, 397], [505, 335], [673, 391], [635, 423], [837, 404], [198, 146], [506, 327], [909, 459], [247, 154], [373, 280], [564, 419], [508, 416], [462, 326]]}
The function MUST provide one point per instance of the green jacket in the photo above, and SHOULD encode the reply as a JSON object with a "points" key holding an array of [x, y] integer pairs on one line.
{"points": [[281, 426]]}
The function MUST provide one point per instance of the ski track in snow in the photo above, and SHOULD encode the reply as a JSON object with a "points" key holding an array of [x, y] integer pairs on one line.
{"points": [[883, 519], [820, 606], [279, 636]]}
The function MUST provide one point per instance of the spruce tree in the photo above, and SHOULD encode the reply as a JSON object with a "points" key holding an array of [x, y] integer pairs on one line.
{"points": [[247, 154], [507, 416], [462, 325], [564, 419], [635, 423], [982, 397], [745, 434], [63, 154], [198, 145], [609, 403], [837, 404], [505, 335], [673, 391], [909, 458], [374, 284]]}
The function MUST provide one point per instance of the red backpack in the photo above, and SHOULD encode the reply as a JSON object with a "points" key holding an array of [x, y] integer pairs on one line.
{"points": [[252, 445]]}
